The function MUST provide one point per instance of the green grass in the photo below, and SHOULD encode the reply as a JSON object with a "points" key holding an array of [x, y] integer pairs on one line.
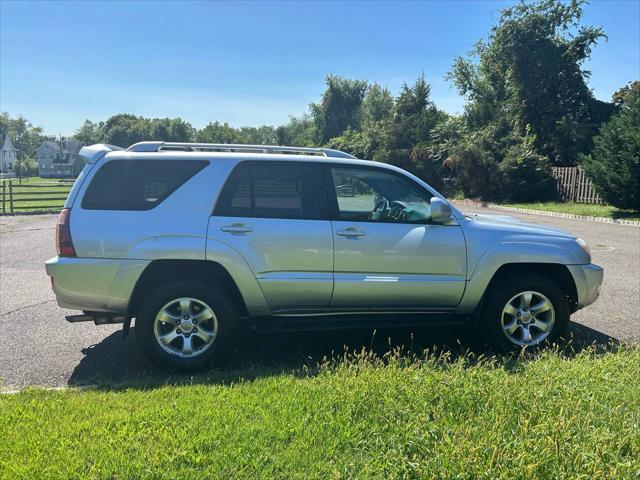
{"points": [[554, 416], [31, 202], [591, 210]]}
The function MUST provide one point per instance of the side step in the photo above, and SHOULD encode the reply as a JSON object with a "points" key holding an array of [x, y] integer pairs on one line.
{"points": [[291, 323], [99, 318]]}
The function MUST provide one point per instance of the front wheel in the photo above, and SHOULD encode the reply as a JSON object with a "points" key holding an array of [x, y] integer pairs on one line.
{"points": [[526, 311], [185, 326]]}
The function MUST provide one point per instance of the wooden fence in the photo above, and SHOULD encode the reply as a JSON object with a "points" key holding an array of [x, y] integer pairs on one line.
{"points": [[33, 197], [572, 185]]}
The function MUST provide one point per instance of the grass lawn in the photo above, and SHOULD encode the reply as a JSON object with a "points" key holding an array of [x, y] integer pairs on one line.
{"points": [[606, 211], [553, 416], [27, 196]]}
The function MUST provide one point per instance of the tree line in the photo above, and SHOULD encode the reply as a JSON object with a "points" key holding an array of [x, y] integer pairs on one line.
{"points": [[527, 108]]}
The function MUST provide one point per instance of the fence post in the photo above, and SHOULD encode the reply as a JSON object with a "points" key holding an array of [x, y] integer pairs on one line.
{"points": [[4, 188], [11, 195]]}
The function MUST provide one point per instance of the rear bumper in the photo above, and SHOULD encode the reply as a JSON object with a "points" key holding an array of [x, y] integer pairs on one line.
{"points": [[103, 285], [588, 279]]}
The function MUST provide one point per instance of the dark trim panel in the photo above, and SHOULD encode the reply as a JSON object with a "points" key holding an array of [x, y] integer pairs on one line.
{"points": [[341, 321], [318, 187]]}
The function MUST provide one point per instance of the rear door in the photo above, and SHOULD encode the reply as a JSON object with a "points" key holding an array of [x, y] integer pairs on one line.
{"points": [[275, 215]]}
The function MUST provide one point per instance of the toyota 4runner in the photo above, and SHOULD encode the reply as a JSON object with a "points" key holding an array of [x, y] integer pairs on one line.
{"points": [[194, 240]]}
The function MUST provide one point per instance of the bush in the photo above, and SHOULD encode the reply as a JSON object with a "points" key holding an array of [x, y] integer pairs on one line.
{"points": [[428, 166], [356, 143], [614, 163], [526, 175], [476, 172]]}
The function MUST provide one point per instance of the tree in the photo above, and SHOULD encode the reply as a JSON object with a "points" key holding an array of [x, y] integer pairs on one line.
{"points": [[300, 131], [377, 106], [614, 163], [528, 74], [356, 143], [414, 117], [525, 174], [170, 130], [24, 136], [123, 130], [26, 167], [620, 95], [340, 107], [217, 132], [264, 135], [90, 133]]}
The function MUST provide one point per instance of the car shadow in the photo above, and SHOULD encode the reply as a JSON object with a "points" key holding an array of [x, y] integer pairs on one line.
{"points": [[117, 363]]}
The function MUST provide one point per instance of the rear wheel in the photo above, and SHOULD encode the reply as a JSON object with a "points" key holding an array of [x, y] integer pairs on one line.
{"points": [[526, 311], [185, 326]]}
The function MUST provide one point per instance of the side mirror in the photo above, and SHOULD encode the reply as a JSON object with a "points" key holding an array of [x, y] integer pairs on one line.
{"points": [[440, 210]]}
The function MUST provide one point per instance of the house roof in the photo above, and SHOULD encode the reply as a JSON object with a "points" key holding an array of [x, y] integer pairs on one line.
{"points": [[69, 148], [3, 139]]}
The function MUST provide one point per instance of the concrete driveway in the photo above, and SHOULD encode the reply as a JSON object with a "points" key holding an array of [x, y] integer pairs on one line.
{"points": [[38, 347]]}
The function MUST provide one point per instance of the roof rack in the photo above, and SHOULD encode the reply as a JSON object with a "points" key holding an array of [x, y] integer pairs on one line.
{"points": [[231, 147]]}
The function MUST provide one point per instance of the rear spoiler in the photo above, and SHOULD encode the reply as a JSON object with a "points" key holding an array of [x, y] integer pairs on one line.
{"points": [[93, 153]]}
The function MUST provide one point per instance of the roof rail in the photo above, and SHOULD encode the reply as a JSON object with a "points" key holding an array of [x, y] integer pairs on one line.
{"points": [[231, 147]]}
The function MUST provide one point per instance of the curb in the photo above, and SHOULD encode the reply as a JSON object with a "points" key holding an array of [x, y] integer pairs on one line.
{"points": [[631, 223], [78, 388]]}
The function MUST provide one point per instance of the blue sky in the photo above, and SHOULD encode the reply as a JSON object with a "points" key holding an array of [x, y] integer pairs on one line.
{"points": [[250, 63]]}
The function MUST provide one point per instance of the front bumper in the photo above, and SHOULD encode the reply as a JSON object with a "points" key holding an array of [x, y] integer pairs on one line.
{"points": [[588, 279]]}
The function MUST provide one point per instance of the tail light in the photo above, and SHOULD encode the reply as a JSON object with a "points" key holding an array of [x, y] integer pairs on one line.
{"points": [[63, 235]]}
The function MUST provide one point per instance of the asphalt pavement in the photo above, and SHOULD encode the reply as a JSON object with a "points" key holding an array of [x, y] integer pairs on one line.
{"points": [[39, 348]]}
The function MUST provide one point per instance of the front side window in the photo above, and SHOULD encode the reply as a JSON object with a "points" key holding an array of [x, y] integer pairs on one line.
{"points": [[272, 190], [378, 196], [137, 184]]}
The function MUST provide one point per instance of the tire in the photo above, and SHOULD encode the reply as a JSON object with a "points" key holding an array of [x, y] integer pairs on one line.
{"points": [[199, 327], [505, 327]]}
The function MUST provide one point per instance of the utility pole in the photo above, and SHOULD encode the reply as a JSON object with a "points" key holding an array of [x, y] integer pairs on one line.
{"points": [[61, 147]]}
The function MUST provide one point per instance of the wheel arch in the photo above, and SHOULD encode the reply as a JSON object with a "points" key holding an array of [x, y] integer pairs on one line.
{"points": [[157, 272], [557, 272], [554, 271]]}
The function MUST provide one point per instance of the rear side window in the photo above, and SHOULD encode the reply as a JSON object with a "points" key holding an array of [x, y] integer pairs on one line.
{"points": [[137, 184], [273, 190]]}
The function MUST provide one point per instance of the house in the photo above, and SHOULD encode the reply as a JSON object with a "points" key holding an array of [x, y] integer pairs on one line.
{"points": [[8, 154], [60, 158]]}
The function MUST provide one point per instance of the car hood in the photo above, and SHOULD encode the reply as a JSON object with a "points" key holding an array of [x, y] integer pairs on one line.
{"points": [[505, 222]]}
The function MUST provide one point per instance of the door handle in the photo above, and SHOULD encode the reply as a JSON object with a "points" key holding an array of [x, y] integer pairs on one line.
{"points": [[236, 228], [350, 232]]}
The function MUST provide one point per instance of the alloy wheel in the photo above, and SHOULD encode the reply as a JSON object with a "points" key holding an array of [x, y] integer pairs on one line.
{"points": [[185, 327], [528, 318]]}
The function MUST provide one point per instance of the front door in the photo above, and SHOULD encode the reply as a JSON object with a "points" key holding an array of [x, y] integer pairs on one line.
{"points": [[274, 215], [387, 252]]}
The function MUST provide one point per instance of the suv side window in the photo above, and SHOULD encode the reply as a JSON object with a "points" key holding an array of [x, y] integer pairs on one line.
{"points": [[273, 190], [137, 184], [372, 195]]}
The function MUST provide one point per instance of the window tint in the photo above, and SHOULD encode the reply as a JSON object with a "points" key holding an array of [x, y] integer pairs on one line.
{"points": [[374, 195], [272, 190], [137, 184]]}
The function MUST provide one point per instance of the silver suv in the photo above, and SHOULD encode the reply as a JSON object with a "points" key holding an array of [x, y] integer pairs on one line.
{"points": [[195, 240]]}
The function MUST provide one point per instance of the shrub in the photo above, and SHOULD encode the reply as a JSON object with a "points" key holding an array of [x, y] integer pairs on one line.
{"points": [[614, 163], [355, 142], [526, 175], [428, 166], [476, 172]]}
